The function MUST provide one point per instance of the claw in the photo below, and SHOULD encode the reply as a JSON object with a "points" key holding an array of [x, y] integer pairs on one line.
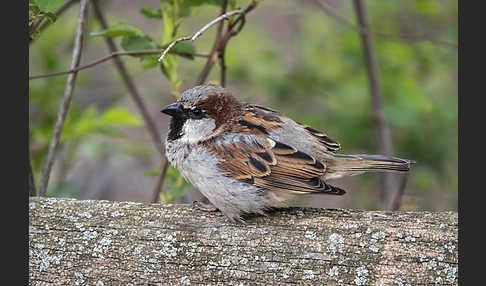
{"points": [[204, 207]]}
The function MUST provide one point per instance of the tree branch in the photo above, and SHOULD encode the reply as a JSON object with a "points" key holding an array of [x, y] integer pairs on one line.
{"points": [[164, 164], [199, 32], [127, 80], [151, 126], [32, 191], [382, 131], [239, 23], [214, 50], [66, 100], [220, 46], [394, 203], [111, 56]]}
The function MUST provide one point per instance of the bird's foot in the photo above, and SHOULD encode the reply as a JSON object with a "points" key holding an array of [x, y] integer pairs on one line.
{"points": [[204, 206]]}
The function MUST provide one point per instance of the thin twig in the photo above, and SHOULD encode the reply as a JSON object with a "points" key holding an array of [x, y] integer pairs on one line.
{"points": [[66, 100], [164, 164], [331, 11], [214, 50], [111, 56], [223, 16], [166, 50], [395, 203], [222, 65], [199, 32], [32, 191], [152, 128], [383, 136], [220, 45], [240, 21]]}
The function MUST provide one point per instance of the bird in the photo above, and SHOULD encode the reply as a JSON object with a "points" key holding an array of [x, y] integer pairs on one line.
{"points": [[249, 159]]}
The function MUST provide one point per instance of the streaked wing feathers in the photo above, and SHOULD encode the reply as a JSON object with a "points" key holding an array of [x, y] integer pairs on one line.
{"points": [[259, 120], [331, 144], [271, 165]]}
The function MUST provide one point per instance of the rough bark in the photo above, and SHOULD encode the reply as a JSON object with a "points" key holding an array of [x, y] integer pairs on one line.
{"points": [[74, 242]]}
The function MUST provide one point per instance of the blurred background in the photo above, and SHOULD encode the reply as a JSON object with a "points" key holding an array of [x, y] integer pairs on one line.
{"points": [[292, 56]]}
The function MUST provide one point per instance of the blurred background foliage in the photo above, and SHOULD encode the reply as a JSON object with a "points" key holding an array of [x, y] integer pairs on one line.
{"points": [[290, 56]]}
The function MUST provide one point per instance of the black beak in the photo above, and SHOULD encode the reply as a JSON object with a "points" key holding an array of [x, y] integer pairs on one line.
{"points": [[173, 109]]}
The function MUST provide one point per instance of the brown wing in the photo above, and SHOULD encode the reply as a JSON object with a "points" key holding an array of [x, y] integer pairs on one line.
{"points": [[331, 144], [259, 120], [256, 120], [271, 165]]}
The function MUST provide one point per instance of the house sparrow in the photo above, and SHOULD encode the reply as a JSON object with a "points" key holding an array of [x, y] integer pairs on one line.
{"points": [[247, 158]]}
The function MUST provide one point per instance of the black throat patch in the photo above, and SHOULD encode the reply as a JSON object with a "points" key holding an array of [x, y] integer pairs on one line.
{"points": [[175, 130]]}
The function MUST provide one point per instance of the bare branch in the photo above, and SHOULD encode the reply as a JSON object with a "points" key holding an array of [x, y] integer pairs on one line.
{"points": [[331, 11], [66, 100], [382, 131], [214, 50], [231, 33], [32, 191], [111, 56], [156, 138], [164, 164], [222, 65], [208, 25], [171, 45], [395, 202], [151, 126], [199, 32], [220, 45]]}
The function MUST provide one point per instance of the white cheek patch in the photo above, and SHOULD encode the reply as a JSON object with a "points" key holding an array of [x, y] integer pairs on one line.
{"points": [[196, 130]]}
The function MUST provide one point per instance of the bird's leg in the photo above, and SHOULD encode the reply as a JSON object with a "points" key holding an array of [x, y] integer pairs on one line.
{"points": [[207, 207]]}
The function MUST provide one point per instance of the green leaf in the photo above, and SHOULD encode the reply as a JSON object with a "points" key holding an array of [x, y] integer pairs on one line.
{"points": [[119, 30], [183, 47], [151, 13], [88, 122], [51, 17], [119, 116], [49, 5], [137, 43], [79, 125], [150, 62]]}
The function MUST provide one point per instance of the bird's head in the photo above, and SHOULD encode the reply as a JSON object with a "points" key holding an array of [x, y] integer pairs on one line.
{"points": [[200, 113]]}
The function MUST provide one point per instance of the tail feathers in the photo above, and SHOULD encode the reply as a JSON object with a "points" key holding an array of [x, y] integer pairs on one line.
{"points": [[363, 163]]}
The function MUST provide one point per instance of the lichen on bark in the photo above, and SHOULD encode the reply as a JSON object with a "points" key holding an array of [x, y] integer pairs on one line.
{"points": [[86, 242]]}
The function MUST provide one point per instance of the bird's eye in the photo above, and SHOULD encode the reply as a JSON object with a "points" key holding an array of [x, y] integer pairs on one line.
{"points": [[196, 113]]}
